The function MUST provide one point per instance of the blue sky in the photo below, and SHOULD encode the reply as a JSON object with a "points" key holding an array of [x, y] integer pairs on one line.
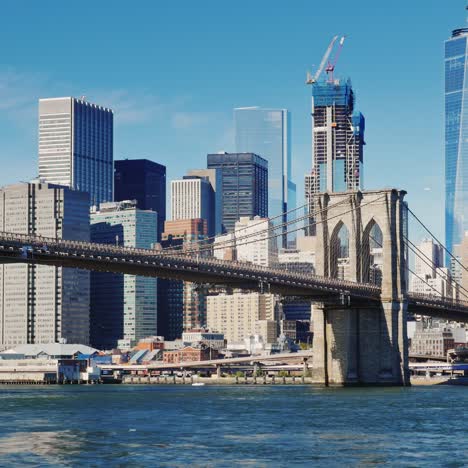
{"points": [[173, 72]]}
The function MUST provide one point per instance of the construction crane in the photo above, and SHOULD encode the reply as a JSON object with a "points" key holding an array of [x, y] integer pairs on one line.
{"points": [[330, 68]]}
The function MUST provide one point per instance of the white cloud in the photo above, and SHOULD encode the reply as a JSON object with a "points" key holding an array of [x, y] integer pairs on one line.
{"points": [[184, 120], [129, 107]]}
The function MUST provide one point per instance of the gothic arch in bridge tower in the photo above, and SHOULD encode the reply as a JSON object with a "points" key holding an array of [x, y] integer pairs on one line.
{"points": [[339, 251], [371, 253], [362, 341]]}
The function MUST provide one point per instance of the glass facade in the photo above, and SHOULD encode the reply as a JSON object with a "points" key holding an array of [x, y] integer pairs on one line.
{"points": [[456, 139], [123, 307], [144, 181], [76, 146], [244, 186], [267, 132]]}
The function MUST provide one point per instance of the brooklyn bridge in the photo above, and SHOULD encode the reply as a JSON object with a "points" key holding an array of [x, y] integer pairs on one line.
{"points": [[360, 311]]}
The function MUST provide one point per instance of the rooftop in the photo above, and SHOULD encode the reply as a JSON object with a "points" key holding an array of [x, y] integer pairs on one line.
{"points": [[51, 349], [460, 32]]}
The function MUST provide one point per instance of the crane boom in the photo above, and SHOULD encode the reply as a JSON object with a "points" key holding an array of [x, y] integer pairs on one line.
{"points": [[331, 65], [312, 80]]}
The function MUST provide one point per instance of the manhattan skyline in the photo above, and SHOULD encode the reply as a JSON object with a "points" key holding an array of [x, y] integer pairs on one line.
{"points": [[173, 76]]}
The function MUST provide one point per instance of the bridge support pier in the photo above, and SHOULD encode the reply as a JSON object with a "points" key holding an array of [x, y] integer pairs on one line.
{"points": [[360, 346]]}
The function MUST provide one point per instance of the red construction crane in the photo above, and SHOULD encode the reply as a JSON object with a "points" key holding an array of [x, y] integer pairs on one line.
{"points": [[330, 68]]}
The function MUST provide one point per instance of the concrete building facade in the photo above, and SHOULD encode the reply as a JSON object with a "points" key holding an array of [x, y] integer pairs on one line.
{"points": [[215, 178], [240, 315], [38, 303], [431, 341], [192, 197], [430, 276], [252, 241]]}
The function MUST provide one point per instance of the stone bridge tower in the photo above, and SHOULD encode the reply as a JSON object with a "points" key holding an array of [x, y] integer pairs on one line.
{"points": [[360, 237]]}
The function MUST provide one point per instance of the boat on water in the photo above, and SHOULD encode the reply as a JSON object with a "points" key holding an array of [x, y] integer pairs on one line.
{"points": [[198, 384]]}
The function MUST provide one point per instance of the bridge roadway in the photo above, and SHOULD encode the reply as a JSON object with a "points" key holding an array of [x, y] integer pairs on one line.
{"points": [[103, 257], [20, 248], [300, 356]]}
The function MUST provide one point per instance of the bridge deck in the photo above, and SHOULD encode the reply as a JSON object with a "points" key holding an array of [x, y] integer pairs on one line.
{"points": [[20, 248]]}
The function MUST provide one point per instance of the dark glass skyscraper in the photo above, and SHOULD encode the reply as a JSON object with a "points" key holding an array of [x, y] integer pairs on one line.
{"points": [[76, 146], [456, 138], [244, 185], [144, 181]]}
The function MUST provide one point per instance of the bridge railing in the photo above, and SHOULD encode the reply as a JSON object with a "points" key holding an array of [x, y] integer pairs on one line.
{"points": [[435, 299]]}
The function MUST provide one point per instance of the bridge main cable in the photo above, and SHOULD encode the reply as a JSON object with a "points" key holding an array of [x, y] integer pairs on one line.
{"points": [[235, 241]]}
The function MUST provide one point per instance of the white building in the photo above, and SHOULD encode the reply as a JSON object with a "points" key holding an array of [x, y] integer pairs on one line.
{"points": [[431, 340], [123, 307], [40, 303], [76, 146], [213, 340], [255, 242], [224, 247], [215, 178], [252, 241], [431, 277], [240, 315], [300, 261], [193, 197]]}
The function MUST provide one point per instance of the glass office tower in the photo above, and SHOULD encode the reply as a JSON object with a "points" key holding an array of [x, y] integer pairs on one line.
{"points": [[244, 186], [144, 181], [267, 132], [123, 307], [76, 146], [456, 139]]}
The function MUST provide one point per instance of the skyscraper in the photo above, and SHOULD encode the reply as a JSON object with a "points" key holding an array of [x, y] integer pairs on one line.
{"points": [[144, 181], [456, 143], [193, 197], [123, 307], [338, 140], [244, 185], [430, 277], [215, 177], [183, 304], [76, 146], [267, 132], [40, 303]]}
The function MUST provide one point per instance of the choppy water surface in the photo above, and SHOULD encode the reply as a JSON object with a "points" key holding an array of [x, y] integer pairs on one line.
{"points": [[123, 425]]}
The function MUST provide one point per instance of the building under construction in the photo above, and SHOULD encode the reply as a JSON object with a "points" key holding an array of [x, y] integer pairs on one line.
{"points": [[338, 137]]}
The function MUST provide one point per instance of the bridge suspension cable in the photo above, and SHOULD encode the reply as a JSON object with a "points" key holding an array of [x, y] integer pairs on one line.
{"points": [[207, 240], [437, 240], [427, 261], [439, 293], [235, 241]]}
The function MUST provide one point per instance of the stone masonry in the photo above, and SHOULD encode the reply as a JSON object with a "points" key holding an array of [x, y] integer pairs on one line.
{"points": [[358, 342]]}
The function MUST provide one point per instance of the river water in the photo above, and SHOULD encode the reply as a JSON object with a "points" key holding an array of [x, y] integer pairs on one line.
{"points": [[123, 425]]}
